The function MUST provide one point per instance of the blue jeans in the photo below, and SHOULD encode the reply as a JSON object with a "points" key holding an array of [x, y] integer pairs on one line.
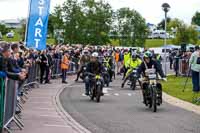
{"points": [[195, 81]]}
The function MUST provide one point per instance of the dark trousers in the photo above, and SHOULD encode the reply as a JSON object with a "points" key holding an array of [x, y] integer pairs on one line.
{"points": [[125, 70], [44, 70], [80, 71], [64, 74], [171, 63], [195, 81]]}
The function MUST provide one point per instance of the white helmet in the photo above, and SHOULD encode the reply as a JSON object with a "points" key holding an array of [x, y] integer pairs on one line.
{"points": [[95, 54]]}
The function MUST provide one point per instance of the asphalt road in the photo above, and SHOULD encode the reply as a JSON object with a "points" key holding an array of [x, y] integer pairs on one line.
{"points": [[122, 111]]}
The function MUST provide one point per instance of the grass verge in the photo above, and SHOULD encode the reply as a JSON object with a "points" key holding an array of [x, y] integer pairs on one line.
{"points": [[175, 85]]}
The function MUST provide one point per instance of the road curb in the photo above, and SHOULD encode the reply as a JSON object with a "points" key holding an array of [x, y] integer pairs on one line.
{"points": [[180, 103], [68, 118]]}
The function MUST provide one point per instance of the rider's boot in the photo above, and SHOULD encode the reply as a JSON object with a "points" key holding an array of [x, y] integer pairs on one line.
{"points": [[122, 86]]}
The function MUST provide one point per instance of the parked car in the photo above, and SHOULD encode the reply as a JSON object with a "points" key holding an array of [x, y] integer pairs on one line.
{"points": [[158, 34], [10, 35]]}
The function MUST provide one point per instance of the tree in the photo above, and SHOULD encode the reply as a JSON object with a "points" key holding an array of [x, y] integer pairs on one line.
{"points": [[196, 19], [185, 35], [98, 21], [174, 24], [55, 22], [73, 21], [3, 29], [22, 30], [131, 27], [161, 25]]}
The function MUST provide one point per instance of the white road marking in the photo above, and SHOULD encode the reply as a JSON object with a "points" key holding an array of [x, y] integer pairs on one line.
{"points": [[109, 89], [107, 94], [105, 90], [48, 125], [84, 95], [129, 94], [116, 94], [50, 116], [44, 109]]}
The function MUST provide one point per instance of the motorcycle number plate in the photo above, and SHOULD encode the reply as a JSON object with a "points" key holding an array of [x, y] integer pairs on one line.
{"points": [[152, 76]]}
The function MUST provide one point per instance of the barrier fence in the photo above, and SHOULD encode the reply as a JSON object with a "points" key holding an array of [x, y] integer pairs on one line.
{"points": [[183, 67], [13, 94]]}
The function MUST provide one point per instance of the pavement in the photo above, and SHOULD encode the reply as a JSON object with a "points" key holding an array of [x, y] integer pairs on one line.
{"points": [[122, 110], [41, 113]]}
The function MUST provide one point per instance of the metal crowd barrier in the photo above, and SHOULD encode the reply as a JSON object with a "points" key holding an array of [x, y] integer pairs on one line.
{"points": [[10, 106], [2, 95], [9, 91], [56, 71], [183, 67], [72, 68], [34, 74]]}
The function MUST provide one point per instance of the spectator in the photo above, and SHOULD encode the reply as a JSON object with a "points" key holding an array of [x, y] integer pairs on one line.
{"points": [[44, 67], [4, 55], [195, 68], [65, 66]]}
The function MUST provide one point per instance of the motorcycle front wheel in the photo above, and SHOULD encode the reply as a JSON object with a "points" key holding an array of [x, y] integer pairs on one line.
{"points": [[98, 93], [154, 100]]}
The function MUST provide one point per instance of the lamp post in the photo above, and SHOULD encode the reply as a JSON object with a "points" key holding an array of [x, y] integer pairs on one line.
{"points": [[165, 7]]}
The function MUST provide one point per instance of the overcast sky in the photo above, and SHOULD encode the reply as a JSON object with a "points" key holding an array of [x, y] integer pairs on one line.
{"points": [[149, 9]]}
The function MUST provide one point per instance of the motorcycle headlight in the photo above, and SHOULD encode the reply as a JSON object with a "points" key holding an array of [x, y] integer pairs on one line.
{"points": [[134, 71]]}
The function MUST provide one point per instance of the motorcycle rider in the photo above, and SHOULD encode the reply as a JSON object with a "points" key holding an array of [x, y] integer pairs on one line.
{"points": [[93, 67], [85, 58], [109, 64], [127, 57], [148, 63], [134, 62]]}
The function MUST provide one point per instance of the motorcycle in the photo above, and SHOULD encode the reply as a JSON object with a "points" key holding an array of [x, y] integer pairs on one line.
{"points": [[96, 90], [153, 93], [106, 76], [133, 79], [82, 76]]}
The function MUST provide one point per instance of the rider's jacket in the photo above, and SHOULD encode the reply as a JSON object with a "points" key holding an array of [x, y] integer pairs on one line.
{"points": [[108, 62], [94, 67], [84, 60], [150, 65], [134, 63], [127, 57], [158, 58]]}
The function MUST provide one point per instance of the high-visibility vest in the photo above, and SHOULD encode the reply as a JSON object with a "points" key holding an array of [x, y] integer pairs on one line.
{"points": [[116, 56], [65, 63], [107, 60], [136, 63], [126, 59]]}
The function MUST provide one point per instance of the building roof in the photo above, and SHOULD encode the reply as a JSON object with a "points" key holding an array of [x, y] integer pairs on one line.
{"points": [[11, 21]]}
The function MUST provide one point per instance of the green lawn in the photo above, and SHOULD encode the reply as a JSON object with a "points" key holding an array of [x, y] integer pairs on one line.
{"points": [[175, 85], [156, 42], [17, 38]]}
